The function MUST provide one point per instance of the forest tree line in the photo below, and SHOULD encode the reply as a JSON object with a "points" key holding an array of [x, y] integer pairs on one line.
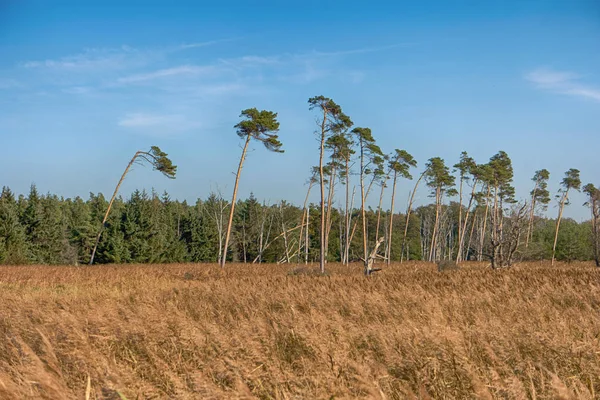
{"points": [[153, 228], [475, 214]]}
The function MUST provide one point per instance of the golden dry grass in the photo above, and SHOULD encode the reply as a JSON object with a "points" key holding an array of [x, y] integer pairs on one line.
{"points": [[255, 331]]}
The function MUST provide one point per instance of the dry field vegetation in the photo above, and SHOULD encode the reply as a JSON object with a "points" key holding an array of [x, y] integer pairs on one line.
{"points": [[260, 331]]}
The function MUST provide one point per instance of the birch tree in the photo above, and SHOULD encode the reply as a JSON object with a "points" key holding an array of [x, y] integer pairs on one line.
{"points": [[261, 126]]}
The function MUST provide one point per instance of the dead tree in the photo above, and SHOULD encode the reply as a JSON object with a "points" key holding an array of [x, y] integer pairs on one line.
{"points": [[371, 258]]}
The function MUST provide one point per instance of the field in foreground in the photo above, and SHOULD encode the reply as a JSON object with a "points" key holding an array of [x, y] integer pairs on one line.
{"points": [[257, 331]]}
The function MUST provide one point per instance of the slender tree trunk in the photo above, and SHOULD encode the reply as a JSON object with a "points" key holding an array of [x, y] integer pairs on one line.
{"points": [[233, 199], [307, 238], [531, 216], [495, 226], [244, 244], [261, 238], [347, 215], [460, 198], [408, 211], [332, 176], [362, 205], [284, 230], [485, 217], [560, 213], [322, 255], [435, 225], [462, 232], [112, 200], [379, 208], [471, 233], [304, 212], [349, 235], [391, 227], [595, 230]]}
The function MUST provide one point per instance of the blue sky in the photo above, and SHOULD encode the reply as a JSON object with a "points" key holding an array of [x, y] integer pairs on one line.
{"points": [[83, 85]]}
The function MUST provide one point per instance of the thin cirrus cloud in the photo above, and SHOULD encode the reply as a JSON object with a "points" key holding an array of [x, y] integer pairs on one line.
{"points": [[114, 58], [167, 72], [563, 82], [157, 124], [94, 59]]}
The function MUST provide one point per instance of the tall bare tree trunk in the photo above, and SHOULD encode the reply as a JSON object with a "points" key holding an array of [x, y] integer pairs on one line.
{"points": [[284, 229], [596, 229], [379, 211], [471, 232], [531, 216], [388, 254], [307, 241], [332, 176], [349, 235], [323, 253], [362, 205], [461, 236], [560, 213], [485, 217], [408, 211], [347, 215], [233, 199], [460, 198], [435, 225], [304, 212], [112, 200]]}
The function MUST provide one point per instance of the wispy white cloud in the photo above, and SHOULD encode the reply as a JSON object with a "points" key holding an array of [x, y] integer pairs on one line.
{"points": [[157, 124], [114, 58], [362, 50], [564, 82], [95, 59], [186, 46], [168, 72]]}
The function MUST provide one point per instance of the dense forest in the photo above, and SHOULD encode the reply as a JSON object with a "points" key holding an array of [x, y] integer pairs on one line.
{"points": [[474, 215], [153, 228]]}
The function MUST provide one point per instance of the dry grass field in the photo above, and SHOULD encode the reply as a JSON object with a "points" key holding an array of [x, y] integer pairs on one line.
{"points": [[258, 331]]}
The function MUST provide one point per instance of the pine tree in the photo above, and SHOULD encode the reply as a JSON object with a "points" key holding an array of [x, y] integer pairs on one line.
{"points": [[570, 182], [399, 164], [263, 127], [333, 121], [371, 162], [440, 181], [539, 195], [159, 161]]}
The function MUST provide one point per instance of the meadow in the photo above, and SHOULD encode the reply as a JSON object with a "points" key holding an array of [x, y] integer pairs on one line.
{"points": [[191, 331]]}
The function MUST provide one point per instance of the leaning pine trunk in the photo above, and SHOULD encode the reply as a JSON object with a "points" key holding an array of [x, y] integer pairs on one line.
{"points": [[408, 210], [391, 226], [233, 199], [322, 184], [114, 196], [560, 212]]}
